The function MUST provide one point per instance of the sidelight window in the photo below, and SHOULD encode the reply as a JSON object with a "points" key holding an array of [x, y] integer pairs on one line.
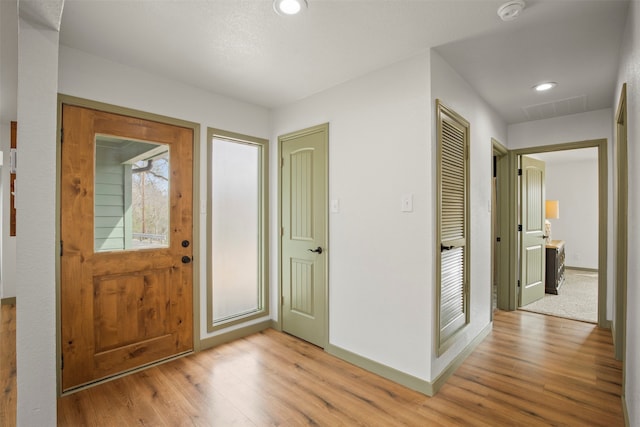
{"points": [[236, 229]]}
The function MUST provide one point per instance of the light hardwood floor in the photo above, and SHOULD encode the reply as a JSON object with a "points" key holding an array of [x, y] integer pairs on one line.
{"points": [[531, 370], [8, 365]]}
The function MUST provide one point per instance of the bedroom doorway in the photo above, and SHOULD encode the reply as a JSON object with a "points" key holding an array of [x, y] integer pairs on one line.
{"points": [[575, 259]]}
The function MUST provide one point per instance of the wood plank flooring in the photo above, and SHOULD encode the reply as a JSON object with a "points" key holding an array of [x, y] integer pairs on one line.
{"points": [[562, 374], [8, 364]]}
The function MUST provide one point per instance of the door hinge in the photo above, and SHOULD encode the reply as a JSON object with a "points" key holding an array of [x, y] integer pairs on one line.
{"points": [[281, 231], [61, 135], [519, 172], [282, 300], [519, 227], [497, 239], [281, 162], [518, 283], [61, 361], [61, 247]]}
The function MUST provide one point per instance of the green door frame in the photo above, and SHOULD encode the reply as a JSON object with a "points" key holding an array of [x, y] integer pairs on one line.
{"points": [[601, 145], [619, 324], [501, 154], [622, 191]]}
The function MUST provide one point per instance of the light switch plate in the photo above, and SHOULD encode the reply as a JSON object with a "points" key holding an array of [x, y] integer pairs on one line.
{"points": [[335, 205], [407, 203]]}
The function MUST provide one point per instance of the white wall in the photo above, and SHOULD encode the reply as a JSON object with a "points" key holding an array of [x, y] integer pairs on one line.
{"points": [[380, 259], [575, 185], [8, 113], [575, 127], [572, 128], [35, 224], [630, 73], [454, 92], [87, 76], [381, 146]]}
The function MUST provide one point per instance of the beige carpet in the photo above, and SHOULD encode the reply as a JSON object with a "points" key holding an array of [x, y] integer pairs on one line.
{"points": [[577, 298]]}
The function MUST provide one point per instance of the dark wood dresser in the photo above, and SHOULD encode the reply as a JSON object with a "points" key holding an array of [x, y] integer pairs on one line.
{"points": [[554, 277]]}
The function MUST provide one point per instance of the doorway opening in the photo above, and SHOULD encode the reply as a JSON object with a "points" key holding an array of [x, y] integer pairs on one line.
{"points": [[574, 265], [499, 227]]}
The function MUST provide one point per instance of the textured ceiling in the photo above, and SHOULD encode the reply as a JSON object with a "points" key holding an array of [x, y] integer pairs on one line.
{"points": [[242, 49]]}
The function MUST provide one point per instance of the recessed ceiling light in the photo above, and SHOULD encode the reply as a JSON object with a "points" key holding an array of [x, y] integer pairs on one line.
{"points": [[289, 7], [511, 10], [545, 86]]}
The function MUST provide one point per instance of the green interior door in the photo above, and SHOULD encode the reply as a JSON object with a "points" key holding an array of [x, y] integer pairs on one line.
{"points": [[304, 234], [532, 253]]}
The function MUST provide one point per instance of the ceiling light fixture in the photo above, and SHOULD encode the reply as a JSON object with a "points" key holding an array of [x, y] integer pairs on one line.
{"points": [[545, 86], [511, 10], [289, 7]]}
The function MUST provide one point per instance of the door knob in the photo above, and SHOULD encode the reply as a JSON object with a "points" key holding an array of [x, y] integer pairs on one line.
{"points": [[186, 259], [445, 248], [317, 250]]}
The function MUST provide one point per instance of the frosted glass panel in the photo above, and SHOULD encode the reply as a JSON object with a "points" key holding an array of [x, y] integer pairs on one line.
{"points": [[235, 183]]}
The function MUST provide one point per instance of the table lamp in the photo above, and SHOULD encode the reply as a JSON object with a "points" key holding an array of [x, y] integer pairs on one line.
{"points": [[552, 211]]}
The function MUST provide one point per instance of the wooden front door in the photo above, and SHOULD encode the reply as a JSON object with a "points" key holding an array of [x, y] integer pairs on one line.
{"points": [[126, 229], [533, 238], [304, 234]]}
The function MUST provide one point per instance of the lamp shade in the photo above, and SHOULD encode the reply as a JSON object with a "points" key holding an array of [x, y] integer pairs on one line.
{"points": [[552, 209]]}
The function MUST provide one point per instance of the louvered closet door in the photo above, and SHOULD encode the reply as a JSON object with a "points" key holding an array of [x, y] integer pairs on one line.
{"points": [[453, 172]]}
